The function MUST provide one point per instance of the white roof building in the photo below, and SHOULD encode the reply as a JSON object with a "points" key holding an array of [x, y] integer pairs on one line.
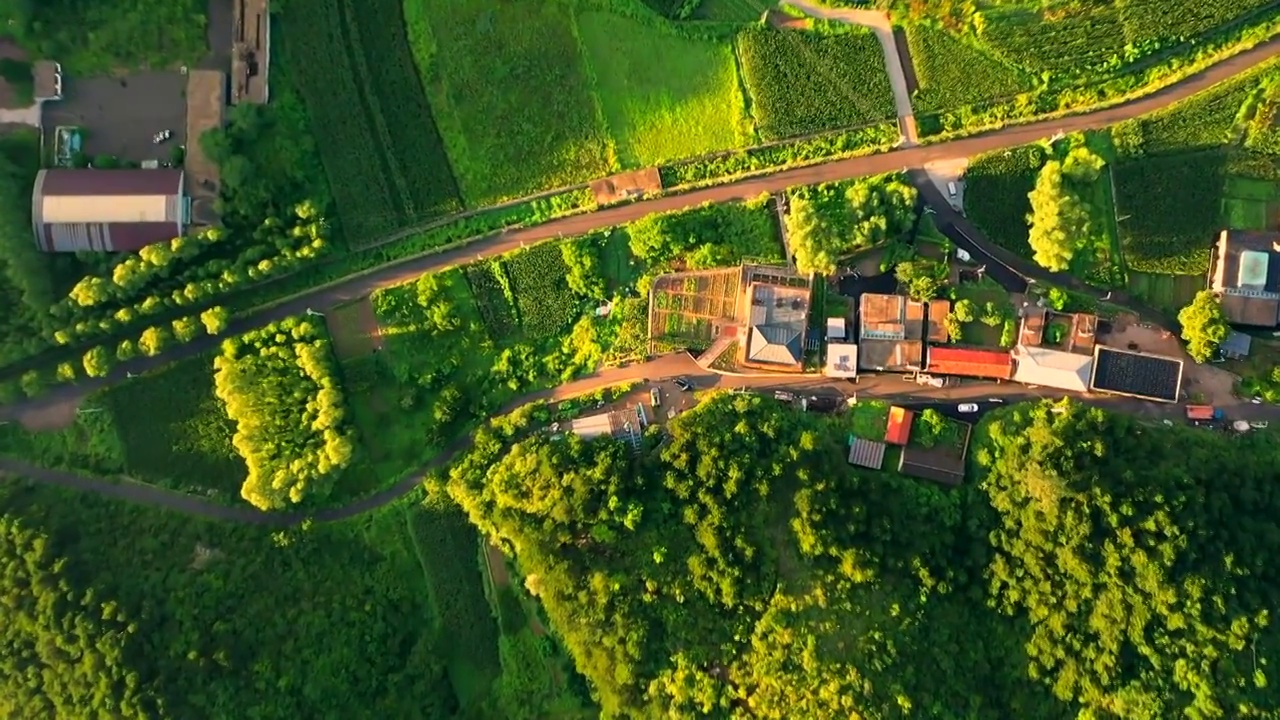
{"points": [[842, 360], [1052, 368], [837, 329]]}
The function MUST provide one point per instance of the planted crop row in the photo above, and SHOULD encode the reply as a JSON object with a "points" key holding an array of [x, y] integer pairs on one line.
{"points": [[545, 304], [1069, 45], [804, 83], [955, 73], [1205, 120], [377, 140], [996, 187], [491, 300], [1166, 22], [1171, 205]]}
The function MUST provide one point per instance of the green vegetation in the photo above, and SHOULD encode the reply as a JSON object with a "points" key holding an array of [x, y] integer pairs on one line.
{"points": [[830, 221], [1071, 43], [664, 96], [1172, 210], [280, 387], [17, 75], [26, 274], [537, 277], [997, 188], [114, 609], [800, 82], [382, 152], [1061, 218], [1204, 326], [815, 589], [954, 72], [511, 94], [1168, 293], [90, 38]]}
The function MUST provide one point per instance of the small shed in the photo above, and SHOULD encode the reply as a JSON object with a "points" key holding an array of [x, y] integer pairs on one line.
{"points": [[866, 453], [837, 329], [1236, 346], [899, 428]]}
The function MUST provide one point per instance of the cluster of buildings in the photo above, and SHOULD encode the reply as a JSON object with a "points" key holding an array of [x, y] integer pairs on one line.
{"points": [[897, 334], [945, 465], [1244, 272]]}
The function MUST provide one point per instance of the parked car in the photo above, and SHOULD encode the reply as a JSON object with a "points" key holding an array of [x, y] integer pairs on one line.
{"points": [[161, 136], [655, 396], [683, 384], [1259, 424], [784, 396], [968, 407]]}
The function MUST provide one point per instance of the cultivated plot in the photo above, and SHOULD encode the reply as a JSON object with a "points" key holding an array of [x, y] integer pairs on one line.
{"points": [[689, 309]]}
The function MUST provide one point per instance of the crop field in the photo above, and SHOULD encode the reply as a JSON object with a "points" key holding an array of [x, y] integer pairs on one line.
{"points": [[1206, 120], [954, 73], [174, 431], [511, 95], [995, 198], [1264, 127], [801, 83], [490, 286], [731, 10], [1159, 21], [544, 302], [1162, 291], [1249, 204], [378, 141], [1171, 205], [1068, 45], [665, 97], [685, 308]]}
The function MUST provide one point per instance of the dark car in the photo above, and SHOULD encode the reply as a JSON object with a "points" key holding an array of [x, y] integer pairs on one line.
{"points": [[683, 384]]}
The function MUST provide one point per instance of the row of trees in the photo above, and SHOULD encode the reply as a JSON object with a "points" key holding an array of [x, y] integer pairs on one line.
{"points": [[830, 221], [280, 386], [1060, 219], [746, 570]]}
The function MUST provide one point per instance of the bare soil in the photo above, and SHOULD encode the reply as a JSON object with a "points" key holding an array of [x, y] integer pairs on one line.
{"points": [[354, 329], [616, 188], [49, 417]]}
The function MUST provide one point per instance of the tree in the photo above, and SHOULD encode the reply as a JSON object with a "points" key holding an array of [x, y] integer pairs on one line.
{"points": [[32, 383], [186, 329], [1204, 325], [581, 256], [965, 310], [215, 319], [126, 350], [924, 278], [951, 323], [98, 362], [1059, 220], [153, 341]]}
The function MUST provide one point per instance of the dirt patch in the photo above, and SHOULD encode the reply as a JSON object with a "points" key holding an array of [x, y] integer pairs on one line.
{"points": [[121, 115], [625, 186], [783, 21], [354, 329], [51, 416], [206, 104], [9, 50]]}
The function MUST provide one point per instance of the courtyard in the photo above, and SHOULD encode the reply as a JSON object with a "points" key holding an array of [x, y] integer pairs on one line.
{"points": [[121, 115]]}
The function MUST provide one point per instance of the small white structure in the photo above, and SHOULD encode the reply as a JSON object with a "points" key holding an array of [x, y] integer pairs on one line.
{"points": [[837, 329], [842, 360], [1052, 368], [1240, 426]]}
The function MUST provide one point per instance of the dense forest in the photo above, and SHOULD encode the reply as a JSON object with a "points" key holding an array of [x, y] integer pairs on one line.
{"points": [[744, 570]]}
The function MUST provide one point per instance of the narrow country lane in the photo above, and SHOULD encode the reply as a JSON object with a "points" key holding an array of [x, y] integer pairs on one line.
{"points": [[508, 240], [878, 22]]}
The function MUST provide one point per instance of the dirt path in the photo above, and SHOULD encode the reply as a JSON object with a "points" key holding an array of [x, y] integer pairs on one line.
{"points": [[879, 23], [497, 566], [507, 240]]}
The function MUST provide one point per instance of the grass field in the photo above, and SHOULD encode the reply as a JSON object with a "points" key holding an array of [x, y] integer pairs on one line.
{"points": [[511, 95], [995, 197], [801, 82], [379, 143], [1169, 293], [1250, 204], [955, 72], [664, 96]]}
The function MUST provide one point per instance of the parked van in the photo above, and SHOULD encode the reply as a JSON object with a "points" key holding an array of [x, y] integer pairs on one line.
{"points": [[655, 395], [951, 189]]}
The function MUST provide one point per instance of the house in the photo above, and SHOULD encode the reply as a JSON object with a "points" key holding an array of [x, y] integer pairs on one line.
{"points": [[938, 312], [898, 430], [991, 364], [1136, 374], [47, 80], [890, 333], [779, 315], [1244, 272], [1236, 346], [1052, 368], [842, 360], [107, 210]]}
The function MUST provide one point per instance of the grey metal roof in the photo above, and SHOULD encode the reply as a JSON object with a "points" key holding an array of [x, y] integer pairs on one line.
{"points": [[1237, 344], [774, 344]]}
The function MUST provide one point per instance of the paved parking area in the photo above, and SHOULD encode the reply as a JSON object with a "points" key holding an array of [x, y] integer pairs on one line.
{"points": [[120, 115]]}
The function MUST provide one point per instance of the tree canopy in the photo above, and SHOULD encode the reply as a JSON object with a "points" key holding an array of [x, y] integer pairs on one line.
{"points": [[1204, 325], [828, 222]]}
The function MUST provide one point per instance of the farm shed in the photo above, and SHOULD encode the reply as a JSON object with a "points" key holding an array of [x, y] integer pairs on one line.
{"points": [[867, 453], [107, 210], [1052, 368], [842, 360], [898, 430], [1031, 334], [625, 424], [992, 364], [1244, 270], [938, 312], [1236, 346], [837, 329], [1150, 377]]}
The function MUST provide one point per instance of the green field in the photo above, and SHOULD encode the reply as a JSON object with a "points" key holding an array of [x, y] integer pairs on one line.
{"points": [[1171, 205], [954, 72], [1250, 204], [801, 83], [1169, 293], [511, 94], [995, 196], [664, 96]]}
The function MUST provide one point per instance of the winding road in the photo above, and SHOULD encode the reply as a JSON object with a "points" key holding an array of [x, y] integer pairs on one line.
{"points": [[668, 366]]}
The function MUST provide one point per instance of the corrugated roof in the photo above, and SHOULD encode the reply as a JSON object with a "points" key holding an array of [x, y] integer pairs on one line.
{"points": [[973, 363], [1237, 344], [1053, 368], [867, 453], [899, 428], [842, 360], [100, 209], [112, 183], [774, 344]]}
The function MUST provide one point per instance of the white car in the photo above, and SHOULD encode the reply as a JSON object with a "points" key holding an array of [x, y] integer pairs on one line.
{"points": [[161, 136], [968, 407], [1259, 424]]}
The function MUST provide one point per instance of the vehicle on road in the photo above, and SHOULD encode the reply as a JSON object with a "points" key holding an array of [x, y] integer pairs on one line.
{"points": [[683, 384], [655, 397], [995, 400], [1259, 424], [968, 407], [784, 396], [161, 136]]}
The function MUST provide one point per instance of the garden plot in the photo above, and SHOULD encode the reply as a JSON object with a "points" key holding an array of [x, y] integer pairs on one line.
{"points": [[664, 96], [689, 309], [1250, 204], [543, 302], [1169, 293], [955, 73]]}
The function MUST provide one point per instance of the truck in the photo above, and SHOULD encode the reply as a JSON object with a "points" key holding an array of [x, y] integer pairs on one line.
{"points": [[1203, 413]]}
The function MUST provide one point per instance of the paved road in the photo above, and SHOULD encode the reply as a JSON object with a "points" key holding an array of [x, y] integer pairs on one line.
{"points": [[509, 240], [890, 387]]}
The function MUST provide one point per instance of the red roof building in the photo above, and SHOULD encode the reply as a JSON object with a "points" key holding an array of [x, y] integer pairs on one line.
{"points": [[899, 430], [992, 364], [107, 210]]}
